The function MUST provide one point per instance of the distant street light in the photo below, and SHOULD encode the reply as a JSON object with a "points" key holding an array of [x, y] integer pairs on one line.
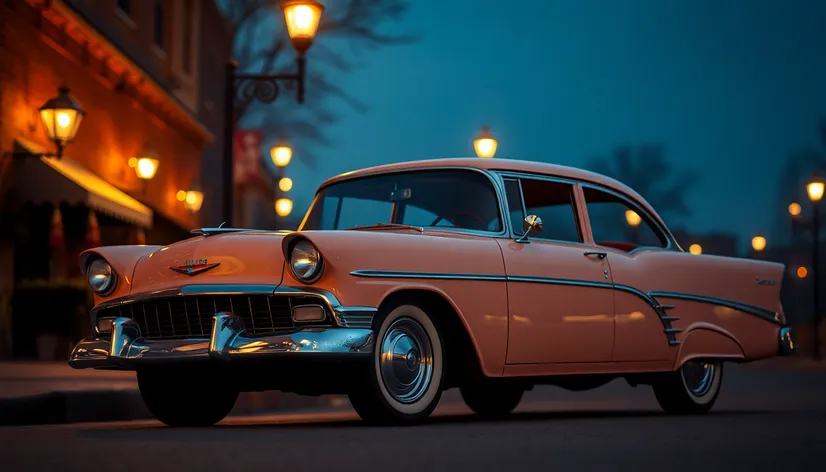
{"points": [[285, 184], [795, 209], [632, 218], [802, 272], [281, 155], [695, 249], [283, 207], [758, 243], [146, 167], [302, 18], [193, 199], [815, 189], [485, 145]]}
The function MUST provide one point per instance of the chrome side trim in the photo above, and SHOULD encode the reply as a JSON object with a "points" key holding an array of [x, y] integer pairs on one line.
{"points": [[227, 342], [389, 274], [752, 310], [650, 298]]}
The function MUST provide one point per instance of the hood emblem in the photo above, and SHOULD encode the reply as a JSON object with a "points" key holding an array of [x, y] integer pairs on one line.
{"points": [[194, 267]]}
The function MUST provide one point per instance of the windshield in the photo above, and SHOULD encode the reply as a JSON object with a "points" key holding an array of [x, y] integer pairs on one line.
{"points": [[459, 199]]}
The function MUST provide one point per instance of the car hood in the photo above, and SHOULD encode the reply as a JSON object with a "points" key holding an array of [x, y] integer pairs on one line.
{"points": [[253, 258]]}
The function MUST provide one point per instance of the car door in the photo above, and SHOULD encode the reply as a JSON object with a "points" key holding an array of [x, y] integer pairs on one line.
{"points": [[633, 245], [560, 301]]}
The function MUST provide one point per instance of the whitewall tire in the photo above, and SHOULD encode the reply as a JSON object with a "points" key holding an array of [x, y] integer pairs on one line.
{"points": [[403, 383], [691, 389]]}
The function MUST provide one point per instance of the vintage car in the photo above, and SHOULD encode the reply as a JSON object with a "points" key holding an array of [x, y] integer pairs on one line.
{"points": [[407, 279]]}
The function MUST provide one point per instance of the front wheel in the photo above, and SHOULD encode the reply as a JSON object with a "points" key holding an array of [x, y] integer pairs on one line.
{"points": [[185, 397], [691, 389], [403, 383]]}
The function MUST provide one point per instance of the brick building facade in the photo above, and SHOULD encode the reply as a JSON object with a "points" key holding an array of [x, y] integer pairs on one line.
{"points": [[149, 74]]}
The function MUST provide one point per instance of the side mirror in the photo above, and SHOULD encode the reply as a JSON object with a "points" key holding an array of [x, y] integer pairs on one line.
{"points": [[531, 225]]}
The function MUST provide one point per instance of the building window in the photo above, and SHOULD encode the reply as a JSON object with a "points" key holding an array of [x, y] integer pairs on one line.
{"points": [[160, 25], [125, 6]]}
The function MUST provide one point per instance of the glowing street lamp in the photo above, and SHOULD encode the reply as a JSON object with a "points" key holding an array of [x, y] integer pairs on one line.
{"points": [[485, 145], [281, 155], [302, 18], [795, 209], [283, 207], [146, 167], [695, 249], [758, 242], [61, 117], [192, 198], [285, 184], [815, 188]]}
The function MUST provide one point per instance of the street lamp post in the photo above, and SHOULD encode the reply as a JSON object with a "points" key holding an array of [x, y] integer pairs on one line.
{"points": [[815, 190], [302, 18], [281, 155]]}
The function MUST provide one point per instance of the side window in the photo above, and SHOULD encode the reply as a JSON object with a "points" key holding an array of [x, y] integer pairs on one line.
{"points": [[615, 223], [553, 202]]}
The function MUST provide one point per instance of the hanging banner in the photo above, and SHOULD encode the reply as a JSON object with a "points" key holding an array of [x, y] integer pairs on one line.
{"points": [[247, 155]]}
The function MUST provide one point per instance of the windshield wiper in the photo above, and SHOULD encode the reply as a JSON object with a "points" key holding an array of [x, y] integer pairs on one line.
{"points": [[389, 226]]}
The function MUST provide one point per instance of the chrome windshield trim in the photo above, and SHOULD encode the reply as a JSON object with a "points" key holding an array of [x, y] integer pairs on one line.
{"points": [[491, 176]]}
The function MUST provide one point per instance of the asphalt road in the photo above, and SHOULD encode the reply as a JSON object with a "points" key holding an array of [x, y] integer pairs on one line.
{"points": [[762, 421]]}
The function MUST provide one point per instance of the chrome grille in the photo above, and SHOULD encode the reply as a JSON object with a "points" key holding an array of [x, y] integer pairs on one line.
{"points": [[191, 315]]}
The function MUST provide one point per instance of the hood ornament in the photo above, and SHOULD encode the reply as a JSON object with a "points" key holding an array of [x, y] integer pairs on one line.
{"points": [[194, 267]]}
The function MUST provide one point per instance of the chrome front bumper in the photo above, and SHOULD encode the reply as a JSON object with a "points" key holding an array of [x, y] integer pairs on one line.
{"points": [[787, 345], [125, 348]]}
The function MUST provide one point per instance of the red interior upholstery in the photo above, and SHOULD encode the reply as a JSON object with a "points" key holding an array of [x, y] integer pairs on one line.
{"points": [[627, 247]]}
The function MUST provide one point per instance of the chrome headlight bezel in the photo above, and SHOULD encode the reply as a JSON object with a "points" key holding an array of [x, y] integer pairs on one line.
{"points": [[101, 277], [305, 261]]}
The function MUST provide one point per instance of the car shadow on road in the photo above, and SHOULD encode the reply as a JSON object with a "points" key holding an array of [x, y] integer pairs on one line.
{"points": [[518, 417]]}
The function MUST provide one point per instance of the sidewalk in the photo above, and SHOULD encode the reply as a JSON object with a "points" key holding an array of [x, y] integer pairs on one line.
{"points": [[49, 393]]}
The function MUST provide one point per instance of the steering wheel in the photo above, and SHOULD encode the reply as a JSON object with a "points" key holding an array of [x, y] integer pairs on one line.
{"points": [[466, 214]]}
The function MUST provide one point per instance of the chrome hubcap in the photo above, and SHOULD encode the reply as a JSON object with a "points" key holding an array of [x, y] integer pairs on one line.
{"points": [[406, 360], [698, 377]]}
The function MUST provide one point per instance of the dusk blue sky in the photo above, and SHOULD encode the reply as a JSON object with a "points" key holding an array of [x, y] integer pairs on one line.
{"points": [[731, 88]]}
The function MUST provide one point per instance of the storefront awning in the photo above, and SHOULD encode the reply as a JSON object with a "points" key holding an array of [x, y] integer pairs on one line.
{"points": [[51, 180]]}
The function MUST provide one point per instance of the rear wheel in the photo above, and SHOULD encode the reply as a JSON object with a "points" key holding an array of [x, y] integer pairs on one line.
{"points": [[183, 397], [403, 383], [491, 401], [691, 389]]}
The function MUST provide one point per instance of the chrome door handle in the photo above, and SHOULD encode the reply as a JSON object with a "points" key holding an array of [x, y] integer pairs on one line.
{"points": [[599, 254]]}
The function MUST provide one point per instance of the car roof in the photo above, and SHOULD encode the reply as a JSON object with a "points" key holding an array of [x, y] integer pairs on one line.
{"points": [[509, 165]]}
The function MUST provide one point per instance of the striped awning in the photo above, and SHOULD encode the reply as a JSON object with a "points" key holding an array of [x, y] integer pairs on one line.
{"points": [[47, 179]]}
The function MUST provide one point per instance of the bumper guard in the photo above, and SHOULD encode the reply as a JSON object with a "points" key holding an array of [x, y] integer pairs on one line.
{"points": [[125, 348]]}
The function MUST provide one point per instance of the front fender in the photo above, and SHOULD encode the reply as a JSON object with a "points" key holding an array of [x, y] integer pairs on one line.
{"points": [[123, 260]]}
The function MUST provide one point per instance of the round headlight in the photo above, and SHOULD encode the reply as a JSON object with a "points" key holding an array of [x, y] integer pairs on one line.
{"points": [[101, 277], [305, 261]]}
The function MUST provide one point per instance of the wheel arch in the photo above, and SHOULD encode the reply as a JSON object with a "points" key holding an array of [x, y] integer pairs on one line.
{"points": [[708, 341], [457, 334]]}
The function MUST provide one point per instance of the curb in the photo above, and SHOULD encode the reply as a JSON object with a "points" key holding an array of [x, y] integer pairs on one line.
{"points": [[126, 405]]}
